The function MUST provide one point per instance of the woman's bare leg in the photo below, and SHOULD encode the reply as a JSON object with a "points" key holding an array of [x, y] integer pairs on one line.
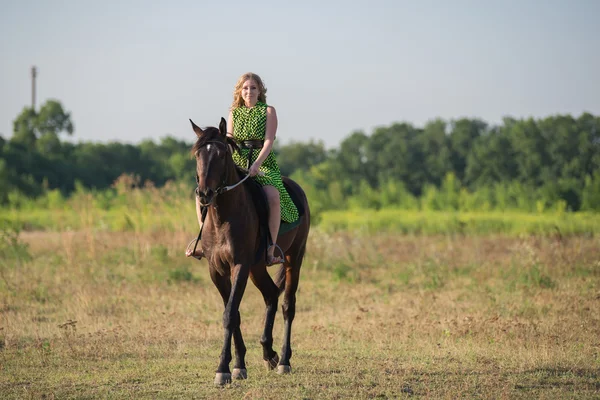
{"points": [[274, 220]]}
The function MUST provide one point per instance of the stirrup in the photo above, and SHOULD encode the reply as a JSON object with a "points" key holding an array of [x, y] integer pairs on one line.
{"points": [[189, 252], [275, 259]]}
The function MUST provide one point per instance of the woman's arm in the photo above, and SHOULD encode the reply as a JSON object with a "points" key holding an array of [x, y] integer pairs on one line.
{"points": [[230, 125], [269, 140]]}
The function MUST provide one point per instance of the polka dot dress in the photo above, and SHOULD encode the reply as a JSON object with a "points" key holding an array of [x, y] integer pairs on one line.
{"points": [[251, 124]]}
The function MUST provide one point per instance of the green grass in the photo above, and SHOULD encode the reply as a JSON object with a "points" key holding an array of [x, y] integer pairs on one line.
{"points": [[125, 315], [470, 223], [171, 209]]}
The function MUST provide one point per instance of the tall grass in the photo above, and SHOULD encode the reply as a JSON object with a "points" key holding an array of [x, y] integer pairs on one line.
{"points": [[128, 207], [132, 207], [444, 222]]}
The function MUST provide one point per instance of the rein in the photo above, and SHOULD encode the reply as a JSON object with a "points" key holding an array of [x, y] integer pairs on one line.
{"points": [[222, 189], [230, 187], [250, 145]]}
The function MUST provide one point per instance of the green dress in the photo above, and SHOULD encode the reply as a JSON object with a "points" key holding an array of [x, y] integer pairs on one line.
{"points": [[251, 124]]}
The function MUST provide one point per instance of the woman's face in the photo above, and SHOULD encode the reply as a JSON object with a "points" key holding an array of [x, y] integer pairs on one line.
{"points": [[250, 92]]}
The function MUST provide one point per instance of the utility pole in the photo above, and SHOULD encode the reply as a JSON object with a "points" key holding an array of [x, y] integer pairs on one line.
{"points": [[33, 75]]}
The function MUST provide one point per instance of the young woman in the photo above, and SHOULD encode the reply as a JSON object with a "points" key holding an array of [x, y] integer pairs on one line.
{"points": [[252, 119]]}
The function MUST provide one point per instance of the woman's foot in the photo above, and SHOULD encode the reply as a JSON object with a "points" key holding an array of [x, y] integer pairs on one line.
{"points": [[271, 258], [197, 254]]}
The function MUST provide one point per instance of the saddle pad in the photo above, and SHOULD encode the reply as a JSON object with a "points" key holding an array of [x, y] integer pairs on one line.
{"points": [[262, 205]]}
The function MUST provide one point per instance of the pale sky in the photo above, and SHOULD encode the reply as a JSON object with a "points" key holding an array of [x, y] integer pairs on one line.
{"points": [[131, 70]]}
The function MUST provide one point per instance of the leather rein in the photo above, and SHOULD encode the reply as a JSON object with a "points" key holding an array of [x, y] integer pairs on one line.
{"points": [[247, 144]]}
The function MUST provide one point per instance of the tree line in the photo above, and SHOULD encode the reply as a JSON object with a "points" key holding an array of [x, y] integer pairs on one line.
{"points": [[464, 163]]}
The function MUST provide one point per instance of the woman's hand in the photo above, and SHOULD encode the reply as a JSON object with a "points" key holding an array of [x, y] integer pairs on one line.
{"points": [[253, 171]]}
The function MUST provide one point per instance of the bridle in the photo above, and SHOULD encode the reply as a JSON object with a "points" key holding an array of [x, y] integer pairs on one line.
{"points": [[219, 190], [223, 187]]}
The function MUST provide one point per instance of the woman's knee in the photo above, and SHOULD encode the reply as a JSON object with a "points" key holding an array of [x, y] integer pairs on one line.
{"points": [[272, 195]]}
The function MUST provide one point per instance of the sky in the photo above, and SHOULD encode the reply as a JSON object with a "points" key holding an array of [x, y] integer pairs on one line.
{"points": [[134, 70]]}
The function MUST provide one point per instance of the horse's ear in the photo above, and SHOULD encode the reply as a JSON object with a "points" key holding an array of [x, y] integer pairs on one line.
{"points": [[199, 132], [223, 127]]}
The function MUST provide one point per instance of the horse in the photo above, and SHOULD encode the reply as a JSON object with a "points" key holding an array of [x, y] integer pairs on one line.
{"points": [[231, 241]]}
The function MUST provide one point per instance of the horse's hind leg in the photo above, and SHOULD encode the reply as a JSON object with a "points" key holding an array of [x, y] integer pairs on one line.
{"points": [[292, 277], [270, 293], [232, 297]]}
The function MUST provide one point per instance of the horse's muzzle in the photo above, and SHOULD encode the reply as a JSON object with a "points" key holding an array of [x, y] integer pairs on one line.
{"points": [[206, 196]]}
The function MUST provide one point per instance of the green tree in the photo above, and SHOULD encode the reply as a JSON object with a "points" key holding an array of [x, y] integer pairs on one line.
{"points": [[529, 147], [392, 152], [491, 159], [5, 187], [298, 155], [53, 119], [590, 197], [25, 127], [49, 122], [463, 134], [349, 163], [434, 144], [589, 144]]}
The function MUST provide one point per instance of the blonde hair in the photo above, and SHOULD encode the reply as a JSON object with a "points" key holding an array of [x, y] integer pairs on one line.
{"points": [[238, 101]]}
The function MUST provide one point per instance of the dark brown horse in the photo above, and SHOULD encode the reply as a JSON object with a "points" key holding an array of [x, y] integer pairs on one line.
{"points": [[231, 242]]}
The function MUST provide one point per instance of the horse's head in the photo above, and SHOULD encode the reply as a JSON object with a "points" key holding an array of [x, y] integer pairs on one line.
{"points": [[212, 151]]}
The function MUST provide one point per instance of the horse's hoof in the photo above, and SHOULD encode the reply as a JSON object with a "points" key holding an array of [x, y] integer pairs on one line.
{"points": [[272, 363], [284, 369], [239, 373], [222, 378]]}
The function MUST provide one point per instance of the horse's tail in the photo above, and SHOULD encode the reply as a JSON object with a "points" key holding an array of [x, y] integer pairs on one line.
{"points": [[297, 255], [280, 278]]}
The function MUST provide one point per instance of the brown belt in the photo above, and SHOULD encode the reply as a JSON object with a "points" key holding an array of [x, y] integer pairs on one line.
{"points": [[252, 144]]}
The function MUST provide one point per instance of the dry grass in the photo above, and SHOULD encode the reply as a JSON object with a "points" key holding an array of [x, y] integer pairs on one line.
{"points": [[125, 315]]}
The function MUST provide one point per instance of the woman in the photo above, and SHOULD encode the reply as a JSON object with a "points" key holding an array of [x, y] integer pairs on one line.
{"points": [[251, 119]]}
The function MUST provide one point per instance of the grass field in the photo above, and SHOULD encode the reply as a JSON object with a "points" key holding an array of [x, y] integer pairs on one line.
{"points": [[91, 314], [512, 223], [171, 209]]}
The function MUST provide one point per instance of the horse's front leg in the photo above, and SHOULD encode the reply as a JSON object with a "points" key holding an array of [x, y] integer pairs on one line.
{"points": [[239, 367], [231, 326]]}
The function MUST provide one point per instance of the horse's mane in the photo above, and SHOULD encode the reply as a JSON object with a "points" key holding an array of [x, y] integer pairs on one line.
{"points": [[212, 134]]}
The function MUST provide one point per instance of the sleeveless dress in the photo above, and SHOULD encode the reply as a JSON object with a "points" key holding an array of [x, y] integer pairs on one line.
{"points": [[251, 124]]}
